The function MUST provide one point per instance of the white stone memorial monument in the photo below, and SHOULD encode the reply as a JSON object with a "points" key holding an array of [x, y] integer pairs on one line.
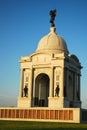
{"points": [[49, 83], [51, 74]]}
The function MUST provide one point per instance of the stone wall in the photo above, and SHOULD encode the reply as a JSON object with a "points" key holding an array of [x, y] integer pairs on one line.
{"points": [[41, 114]]}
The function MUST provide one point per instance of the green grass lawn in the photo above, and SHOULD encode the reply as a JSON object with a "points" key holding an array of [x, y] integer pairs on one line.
{"points": [[26, 125]]}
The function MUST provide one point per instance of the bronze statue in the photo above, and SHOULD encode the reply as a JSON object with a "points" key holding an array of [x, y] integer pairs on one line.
{"points": [[52, 14], [26, 91], [57, 91]]}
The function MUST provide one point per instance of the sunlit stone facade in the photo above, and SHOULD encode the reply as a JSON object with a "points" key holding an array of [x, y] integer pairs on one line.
{"points": [[50, 77]]}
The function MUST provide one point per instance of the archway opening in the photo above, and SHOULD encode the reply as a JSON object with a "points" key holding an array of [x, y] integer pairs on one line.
{"points": [[41, 90]]}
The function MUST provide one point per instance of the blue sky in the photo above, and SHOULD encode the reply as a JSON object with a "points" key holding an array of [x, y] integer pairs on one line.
{"points": [[23, 23]]}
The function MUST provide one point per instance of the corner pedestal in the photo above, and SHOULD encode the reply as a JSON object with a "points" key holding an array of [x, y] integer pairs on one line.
{"points": [[24, 102], [56, 102]]}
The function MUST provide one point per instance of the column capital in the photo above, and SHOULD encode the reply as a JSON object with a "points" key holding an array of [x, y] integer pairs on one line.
{"points": [[22, 69]]}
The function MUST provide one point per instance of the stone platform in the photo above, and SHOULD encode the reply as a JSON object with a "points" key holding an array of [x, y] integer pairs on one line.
{"points": [[72, 115]]}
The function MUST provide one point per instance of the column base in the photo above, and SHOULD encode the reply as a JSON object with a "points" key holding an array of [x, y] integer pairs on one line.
{"points": [[24, 102], [56, 102], [72, 104], [75, 104]]}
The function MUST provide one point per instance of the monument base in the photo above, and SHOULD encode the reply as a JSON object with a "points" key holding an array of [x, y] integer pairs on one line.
{"points": [[24, 102], [72, 115], [56, 102]]}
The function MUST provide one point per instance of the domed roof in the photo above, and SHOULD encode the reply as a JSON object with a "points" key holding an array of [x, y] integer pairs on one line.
{"points": [[52, 42]]}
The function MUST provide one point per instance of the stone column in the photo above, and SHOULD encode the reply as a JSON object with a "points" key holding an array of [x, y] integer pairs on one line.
{"points": [[75, 94], [30, 85], [67, 81], [79, 87], [33, 86], [74, 83], [61, 93], [51, 83], [21, 82]]}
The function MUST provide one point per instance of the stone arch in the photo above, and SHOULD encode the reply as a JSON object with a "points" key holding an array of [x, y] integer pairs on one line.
{"points": [[41, 90]]}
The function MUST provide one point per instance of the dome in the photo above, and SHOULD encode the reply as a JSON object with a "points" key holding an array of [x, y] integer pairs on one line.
{"points": [[52, 42]]}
